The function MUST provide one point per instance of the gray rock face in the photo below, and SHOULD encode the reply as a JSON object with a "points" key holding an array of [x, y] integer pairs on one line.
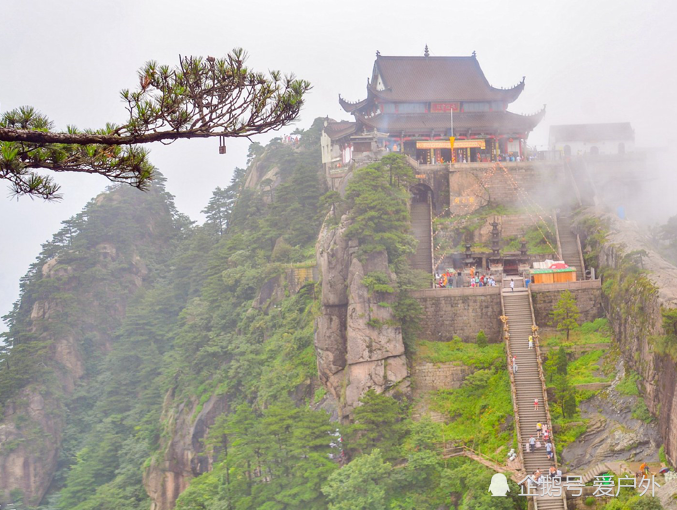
{"points": [[612, 433], [636, 317], [27, 461], [184, 452], [358, 343]]}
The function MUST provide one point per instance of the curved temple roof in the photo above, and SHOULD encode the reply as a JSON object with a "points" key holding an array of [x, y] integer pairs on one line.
{"points": [[429, 79], [351, 107], [476, 122], [415, 79]]}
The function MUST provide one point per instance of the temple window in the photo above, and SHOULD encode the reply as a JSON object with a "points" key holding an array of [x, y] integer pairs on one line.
{"points": [[476, 107], [411, 108]]}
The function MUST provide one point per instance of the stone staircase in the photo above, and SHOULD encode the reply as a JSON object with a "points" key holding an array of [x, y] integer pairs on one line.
{"points": [[570, 247], [595, 470], [422, 228], [519, 282], [527, 386], [582, 181]]}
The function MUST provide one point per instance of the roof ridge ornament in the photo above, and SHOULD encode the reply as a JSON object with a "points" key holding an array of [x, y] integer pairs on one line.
{"points": [[426, 52], [378, 53], [474, 54]]}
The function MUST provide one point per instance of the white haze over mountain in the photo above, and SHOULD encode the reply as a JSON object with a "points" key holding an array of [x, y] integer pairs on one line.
{"points": [[603, 61]]}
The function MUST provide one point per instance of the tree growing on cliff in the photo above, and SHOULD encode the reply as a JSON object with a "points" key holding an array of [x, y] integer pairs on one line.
{"points": [[565, 396], [361, 485], [399, 172], [379, 213], [220, 206], [561, 361], [565, 313], [378, 423], [199, 98]]}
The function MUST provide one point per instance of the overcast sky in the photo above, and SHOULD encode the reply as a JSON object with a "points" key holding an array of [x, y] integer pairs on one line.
{"points": [[589, 61]]}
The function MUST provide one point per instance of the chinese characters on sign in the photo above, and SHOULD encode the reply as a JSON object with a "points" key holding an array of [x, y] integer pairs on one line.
{"points": [[444, 107], [464, 200], [605, 486]]}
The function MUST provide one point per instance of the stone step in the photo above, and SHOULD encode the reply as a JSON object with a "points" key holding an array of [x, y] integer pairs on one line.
{"points": [[527, 385]]}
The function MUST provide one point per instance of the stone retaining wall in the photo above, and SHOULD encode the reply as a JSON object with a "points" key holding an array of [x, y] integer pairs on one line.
{"points": [[508, 183], [439, 376], [464, 312], [460, 312], [588, 296]]}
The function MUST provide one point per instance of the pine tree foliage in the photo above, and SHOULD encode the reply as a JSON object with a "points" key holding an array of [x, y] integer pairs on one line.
{"points": [[379, 212], [220, 207], [378, 424], [98, 251], [191, 325], [199, 98], [565, 313]]}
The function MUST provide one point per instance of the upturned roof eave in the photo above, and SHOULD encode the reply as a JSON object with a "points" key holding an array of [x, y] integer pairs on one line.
{"points": [[352, 107], [529, 121], [503, 95]]}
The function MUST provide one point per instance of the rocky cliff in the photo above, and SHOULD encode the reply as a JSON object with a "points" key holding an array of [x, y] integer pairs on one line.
{"points": [[357, 342], [30, 434], [183, 457], [612, 432], [638, 283], [72, 300]]}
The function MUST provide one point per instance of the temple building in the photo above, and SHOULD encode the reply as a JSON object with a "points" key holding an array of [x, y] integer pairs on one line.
{"points": [[412, 103], [592, 139]]}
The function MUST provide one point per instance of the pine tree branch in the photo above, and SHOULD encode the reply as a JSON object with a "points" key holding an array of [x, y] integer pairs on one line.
{"points": [[199, 98]]}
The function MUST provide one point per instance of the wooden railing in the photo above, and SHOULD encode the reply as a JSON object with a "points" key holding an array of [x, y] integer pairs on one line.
{"points": [[458, 449]]}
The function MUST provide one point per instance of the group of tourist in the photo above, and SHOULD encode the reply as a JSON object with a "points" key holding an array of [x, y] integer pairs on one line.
{"points": [[536, 477], [454, 279], [510, 157], [290, 140], [450, 279], [535, 442], [483, 281]]}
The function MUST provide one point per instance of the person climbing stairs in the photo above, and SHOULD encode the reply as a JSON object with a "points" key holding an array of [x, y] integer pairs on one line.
{"points": [[527, 387]]}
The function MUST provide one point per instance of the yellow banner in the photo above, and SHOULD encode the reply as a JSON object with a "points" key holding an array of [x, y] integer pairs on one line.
{"points": [[470, 144], [456, 144], [433, 144]]}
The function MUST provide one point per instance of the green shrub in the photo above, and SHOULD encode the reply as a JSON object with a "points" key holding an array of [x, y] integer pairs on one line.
{"points": [[641, 412], [479, 412], [465, 353], [481, 338], [628, 386], [377, 281], [598, 325], [590, 501]]}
